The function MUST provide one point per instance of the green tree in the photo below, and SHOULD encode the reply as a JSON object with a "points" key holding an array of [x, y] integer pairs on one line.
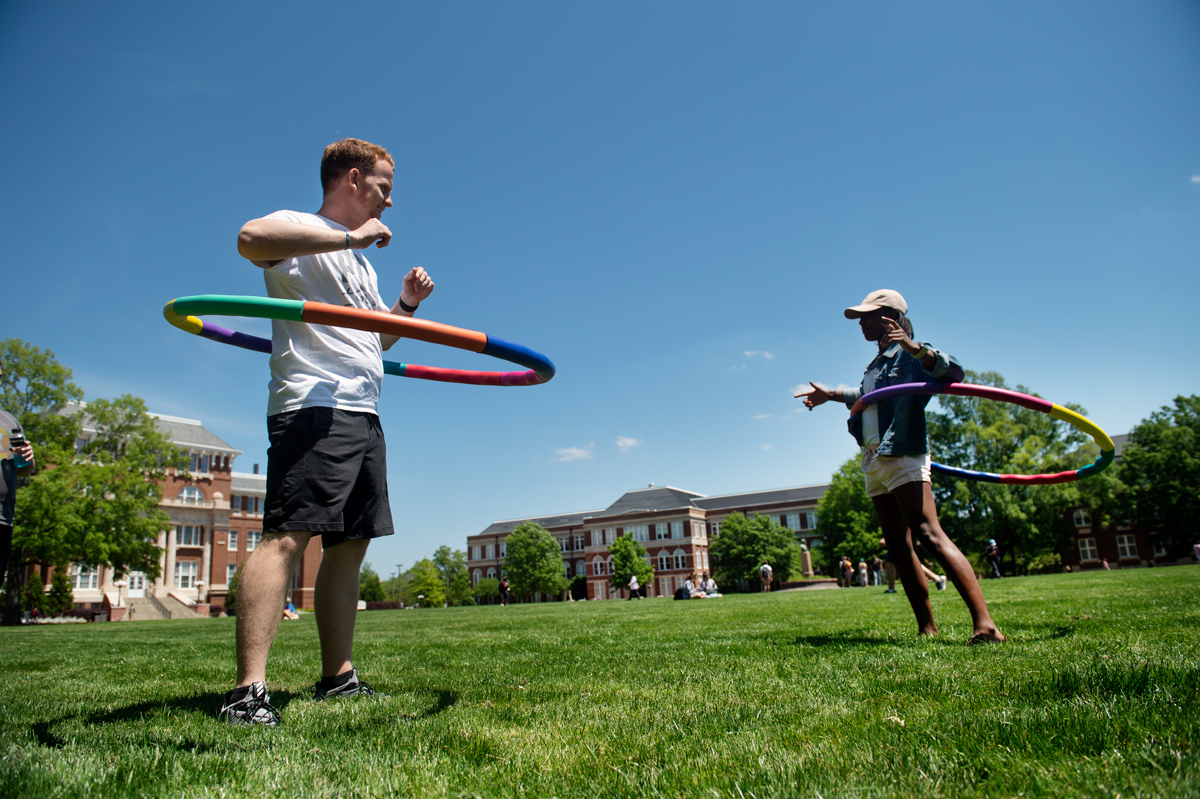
{"points": [[846, 520], [534, 561], [424, 585], [452, 566], [61, 597], [232, 589], [35, 594], [1027, 521], [98, 504], [1161, 467], [370, 587], [744, 544], [486, 587], [628, 559]]}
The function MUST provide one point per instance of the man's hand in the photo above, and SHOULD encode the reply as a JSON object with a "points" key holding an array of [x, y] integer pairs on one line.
{"points": [[372, 231], [25, 451], [817, 395], [417, 286]]}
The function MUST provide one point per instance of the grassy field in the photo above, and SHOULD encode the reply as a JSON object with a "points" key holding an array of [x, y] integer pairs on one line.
{"points": [[811, 693]]}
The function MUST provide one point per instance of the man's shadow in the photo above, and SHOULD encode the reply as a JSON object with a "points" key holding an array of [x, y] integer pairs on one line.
{"points": [[207, 704]]}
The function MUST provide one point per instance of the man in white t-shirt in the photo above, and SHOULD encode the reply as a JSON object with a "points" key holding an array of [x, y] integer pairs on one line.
{"points": [[326, 466]]}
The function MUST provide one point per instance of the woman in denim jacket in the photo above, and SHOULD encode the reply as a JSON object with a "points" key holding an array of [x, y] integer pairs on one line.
{"points": [[896, 463]]}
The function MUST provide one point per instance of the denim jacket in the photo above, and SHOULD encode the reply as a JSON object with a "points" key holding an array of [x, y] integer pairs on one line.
{"points": [[901, 419]]}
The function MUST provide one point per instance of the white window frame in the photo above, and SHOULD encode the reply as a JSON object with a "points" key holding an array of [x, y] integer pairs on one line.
{"points": [[1082, 518], [253, 539], [490, 551], [680, 559], [232, 543], [578, 542], [476, 576], [581, 568], [598, 566], [190, 495], [85, 577], [187, 572], [1088, 553], [189, 535], [664, 561], [230, 571], [1126, 546]]}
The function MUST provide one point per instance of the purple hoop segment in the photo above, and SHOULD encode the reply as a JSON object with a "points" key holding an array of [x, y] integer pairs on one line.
{"points": [[1102, 439]]}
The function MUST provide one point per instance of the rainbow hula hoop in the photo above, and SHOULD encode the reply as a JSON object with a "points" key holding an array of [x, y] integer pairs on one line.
{"points": [[183, 313], [1107, 448]]}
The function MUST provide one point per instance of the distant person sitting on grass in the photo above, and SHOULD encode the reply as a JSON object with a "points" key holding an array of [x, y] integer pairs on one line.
{"points": [[896, 462], [710, 587], [290, 611]]}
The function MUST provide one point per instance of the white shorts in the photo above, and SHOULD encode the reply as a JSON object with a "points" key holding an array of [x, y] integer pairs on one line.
{"points": [[884, 474]]}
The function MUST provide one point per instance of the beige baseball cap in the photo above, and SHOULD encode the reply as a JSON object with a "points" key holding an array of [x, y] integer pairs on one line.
{"points": [[883, 298]]}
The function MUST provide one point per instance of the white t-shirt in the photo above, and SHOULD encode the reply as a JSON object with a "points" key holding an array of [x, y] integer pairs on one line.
{"points": [[320, 365]]}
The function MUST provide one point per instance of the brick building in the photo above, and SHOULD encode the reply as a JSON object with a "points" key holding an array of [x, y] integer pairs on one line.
{"points": [[215, 522], [674, 526]]}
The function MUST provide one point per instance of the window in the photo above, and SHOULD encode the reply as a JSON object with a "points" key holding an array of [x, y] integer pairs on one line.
{"points": [[187, 535], [597, 538], [567, 569], [252, 539], [490, 549], [253, 505], [1087, 549], [578, 542], [476, 553], [680, 559], [235, 503], [564, 544], [1126, 546], [185, 573], [84, 577], [714, 529], [610, 535], [190, 495], [580, 568], [792, 522], [811, 518], [233, 540], [476, 577], [598, 566], [676, 529], [200, 463], [492, 573], [504, 549], [230, 571], [1082, 519], [698, 529], [639, 532], [1160, 551], [664, 561]]}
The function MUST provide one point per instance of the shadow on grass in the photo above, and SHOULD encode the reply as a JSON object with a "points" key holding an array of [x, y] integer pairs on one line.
{"points": [[208, 704], [843, 640]]}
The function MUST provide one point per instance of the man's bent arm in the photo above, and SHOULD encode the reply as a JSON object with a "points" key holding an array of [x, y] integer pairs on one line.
{"points": [[267, 242]]}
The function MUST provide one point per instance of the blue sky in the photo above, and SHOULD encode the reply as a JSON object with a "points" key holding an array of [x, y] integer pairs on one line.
{"points": [[673, 201]]}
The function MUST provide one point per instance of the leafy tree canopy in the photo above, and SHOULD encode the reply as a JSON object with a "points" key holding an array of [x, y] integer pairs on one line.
{"points": [[452, 566], [1161, 467], [628, 559], [744, 544], [486, 587], [534, 561], [370, 587], [424, 585]]}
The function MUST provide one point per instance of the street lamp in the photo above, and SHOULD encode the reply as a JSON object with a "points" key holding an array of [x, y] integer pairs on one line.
{"points": [[199, 591], [120, 584]]}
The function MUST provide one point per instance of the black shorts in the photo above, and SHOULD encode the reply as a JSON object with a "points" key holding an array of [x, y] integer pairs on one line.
{"points": [[327, 474]]}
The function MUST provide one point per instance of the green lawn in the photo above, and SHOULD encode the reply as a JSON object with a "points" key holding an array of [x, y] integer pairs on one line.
{"points": [[810, 693]]}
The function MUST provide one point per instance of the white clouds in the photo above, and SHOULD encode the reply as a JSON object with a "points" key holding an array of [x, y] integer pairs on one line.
{"points": [[766, 356], [568, 454], [626, 443], [768, 446], [1195, 178], [761, 416]]}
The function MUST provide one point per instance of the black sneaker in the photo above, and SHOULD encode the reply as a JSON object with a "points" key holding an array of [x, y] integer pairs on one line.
{"points": [[351, 687], [245, 707]]}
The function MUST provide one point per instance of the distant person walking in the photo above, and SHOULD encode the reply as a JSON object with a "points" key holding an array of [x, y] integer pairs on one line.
{"points": [[895, 459], [765, 576], [634, 588], [504, 592], [992, 553]]}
